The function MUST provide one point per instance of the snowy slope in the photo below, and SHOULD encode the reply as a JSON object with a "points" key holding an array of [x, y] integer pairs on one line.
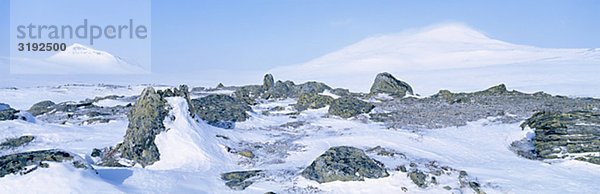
{"points": [[453, 54], [76, 59]]}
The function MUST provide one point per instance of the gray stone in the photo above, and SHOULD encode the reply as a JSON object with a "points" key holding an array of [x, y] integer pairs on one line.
{"points": [[312, 101], [16, 142], [238, 180], [343, 163], [388, 84], [21, 162]]}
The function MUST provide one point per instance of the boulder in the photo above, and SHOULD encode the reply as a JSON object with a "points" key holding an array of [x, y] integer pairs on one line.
{"points": [[566, 134], [221, 110], [9, 114], [4, 106], [347, 107], [145, 122], [388, 84], [313, 101], [343, 163]]}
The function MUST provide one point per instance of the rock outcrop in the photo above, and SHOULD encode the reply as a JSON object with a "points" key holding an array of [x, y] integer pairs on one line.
{"points": [[388, 84], [347, 107], [221, 110], [277, 89], [41, 107], [16, 142], [343, 163], [239, 180], [24, 163], [145, 122], [565, 134], [313, 101]]}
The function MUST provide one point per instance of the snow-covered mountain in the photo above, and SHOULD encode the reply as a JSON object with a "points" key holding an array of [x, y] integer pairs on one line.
{"points": [[77, 59], [419, 56]]}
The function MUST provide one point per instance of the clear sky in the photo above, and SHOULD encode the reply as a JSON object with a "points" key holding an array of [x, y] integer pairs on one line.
{"points": [[261, 34]]}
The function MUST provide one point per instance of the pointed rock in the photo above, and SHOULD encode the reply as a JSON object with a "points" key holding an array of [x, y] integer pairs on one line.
{"points": [[268, 82], [388, 84]]}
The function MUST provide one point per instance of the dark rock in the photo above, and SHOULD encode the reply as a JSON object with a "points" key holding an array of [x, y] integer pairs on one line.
{"points": [[343, 163], [221, 110], [9, 114], [268, 82], [16, 142], [347, 107], [19, 163], [313, 101], [388, 84], [565, 133], [239, 180], [145, 122], [41, 107]]}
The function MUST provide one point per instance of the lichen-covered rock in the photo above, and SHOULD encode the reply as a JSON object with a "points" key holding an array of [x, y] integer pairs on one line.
{"points": [[9, 114], [248, 94], [565, 133], [145, 122], [182, 91], [268, 82], [418, 178], [216, 109], [388, 84], [239, 180], [26, 162], [343, 163], [347, 107], [16, 142], [313, 101]]}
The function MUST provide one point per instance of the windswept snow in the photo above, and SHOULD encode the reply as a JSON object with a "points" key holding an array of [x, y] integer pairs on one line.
{"points": [[453, 55]]}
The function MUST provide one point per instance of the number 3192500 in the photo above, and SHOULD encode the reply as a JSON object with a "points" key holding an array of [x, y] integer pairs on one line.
{"points": [[42, 46]]}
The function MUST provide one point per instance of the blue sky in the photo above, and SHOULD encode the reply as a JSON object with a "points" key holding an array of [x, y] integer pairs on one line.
{"points": [[261, 34]]}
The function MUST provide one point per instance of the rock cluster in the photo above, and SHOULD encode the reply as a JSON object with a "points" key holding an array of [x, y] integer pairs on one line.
{"points": [[343, 163], [278, 89], [8, 114], [145, 122], [24, 163], [562, 134], [388, 84], [446, 109], [347, 107]]}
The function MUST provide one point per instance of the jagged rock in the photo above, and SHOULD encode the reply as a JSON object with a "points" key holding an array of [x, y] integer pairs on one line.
{"points": [[8, 114], [388, 84], [145, 122], [275, 90], [343, 163], [218, 110], [16, 142], [418, 178], [496, 90], [268, 82], [347, 107], [565, 133], [182, 91], [220, 85], [22, 162], [238, 180], [313, 101]]}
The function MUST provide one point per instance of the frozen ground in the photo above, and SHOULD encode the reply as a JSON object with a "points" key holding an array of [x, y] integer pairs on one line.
{"points": [[193, 157]]}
